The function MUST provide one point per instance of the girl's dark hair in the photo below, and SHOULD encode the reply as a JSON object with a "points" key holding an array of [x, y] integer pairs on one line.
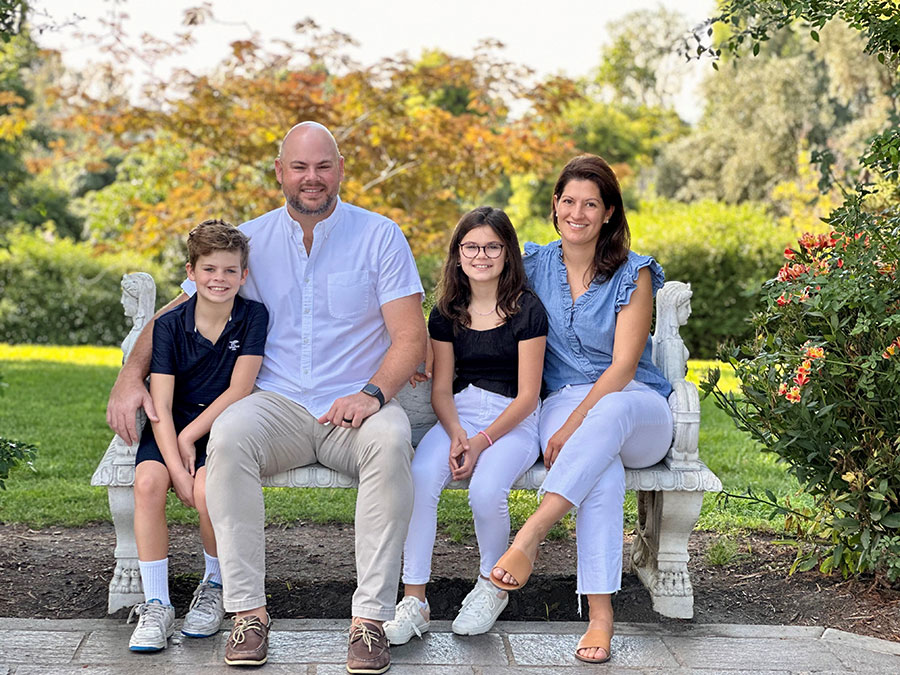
{"points": [[615, 237], [454, 292]]}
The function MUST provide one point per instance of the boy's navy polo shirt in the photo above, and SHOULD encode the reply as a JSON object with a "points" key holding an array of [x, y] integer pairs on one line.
{"points": [[202, 369]]}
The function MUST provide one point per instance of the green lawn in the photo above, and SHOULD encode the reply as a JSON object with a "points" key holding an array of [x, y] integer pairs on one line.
{"points": [[56, 399]]}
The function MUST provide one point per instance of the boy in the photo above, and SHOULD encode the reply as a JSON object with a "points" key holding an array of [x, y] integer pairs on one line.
{"points": [[206, 355]]}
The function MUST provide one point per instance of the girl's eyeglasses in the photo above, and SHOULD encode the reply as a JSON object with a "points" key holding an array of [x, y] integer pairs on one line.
{"points": [[492, 250]]}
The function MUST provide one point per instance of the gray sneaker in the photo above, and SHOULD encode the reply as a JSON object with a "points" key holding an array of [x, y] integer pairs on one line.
{"points": [[204, 617], [156, 623]]}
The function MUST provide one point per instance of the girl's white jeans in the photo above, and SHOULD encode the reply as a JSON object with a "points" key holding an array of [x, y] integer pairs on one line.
{"points": [[497, 469], [630, 428]]}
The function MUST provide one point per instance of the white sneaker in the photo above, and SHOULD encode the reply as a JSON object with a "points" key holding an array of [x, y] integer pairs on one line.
{"points": [[155, 626], [480, 609], [410, 619], [204, 617]]}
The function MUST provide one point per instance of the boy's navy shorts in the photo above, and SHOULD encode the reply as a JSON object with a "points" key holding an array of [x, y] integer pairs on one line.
{"points": [[149, 450]]}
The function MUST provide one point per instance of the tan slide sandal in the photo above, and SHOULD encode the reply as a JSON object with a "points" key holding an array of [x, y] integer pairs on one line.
{"points": [[594, 639], [517, 564]]}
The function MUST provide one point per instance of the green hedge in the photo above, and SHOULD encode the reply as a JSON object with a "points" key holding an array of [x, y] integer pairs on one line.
{"points": [[62, 292], [725, 251]]}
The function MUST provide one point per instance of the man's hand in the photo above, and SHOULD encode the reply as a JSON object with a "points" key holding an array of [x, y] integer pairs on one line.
{"points": [[351, 411], [126, 397]]}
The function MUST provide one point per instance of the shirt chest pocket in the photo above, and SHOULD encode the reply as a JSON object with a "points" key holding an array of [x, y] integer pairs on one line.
{"points": [[348, 294]]}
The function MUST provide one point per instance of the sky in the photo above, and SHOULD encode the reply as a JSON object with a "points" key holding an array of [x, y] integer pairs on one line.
{"points": [[566, 41]]}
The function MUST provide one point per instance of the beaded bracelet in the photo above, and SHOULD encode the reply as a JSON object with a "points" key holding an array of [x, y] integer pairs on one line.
{"points": [[490, 442]]}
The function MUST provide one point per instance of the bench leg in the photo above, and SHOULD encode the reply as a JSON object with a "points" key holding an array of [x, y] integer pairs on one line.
{"points": [[125, 589], [659, 553]]}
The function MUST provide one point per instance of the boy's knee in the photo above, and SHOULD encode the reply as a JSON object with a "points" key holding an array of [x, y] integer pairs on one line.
{"points": [[149, 485]]}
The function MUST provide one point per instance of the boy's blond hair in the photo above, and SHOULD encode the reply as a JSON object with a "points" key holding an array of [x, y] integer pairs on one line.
{"points": [[217, 235]]}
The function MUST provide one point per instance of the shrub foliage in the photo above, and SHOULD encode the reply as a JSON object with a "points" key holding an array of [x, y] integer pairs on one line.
{"points": [[725, 251], [62, 292], [820, 382], [12, 452]]}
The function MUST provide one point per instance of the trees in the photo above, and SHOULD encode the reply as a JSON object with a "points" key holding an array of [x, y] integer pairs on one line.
{"points": [[423, 139], [762, 113], [26, 197]]}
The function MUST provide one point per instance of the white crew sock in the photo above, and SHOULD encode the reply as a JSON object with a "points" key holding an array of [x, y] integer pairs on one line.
{"points": [[212, 573], [155, 577]]}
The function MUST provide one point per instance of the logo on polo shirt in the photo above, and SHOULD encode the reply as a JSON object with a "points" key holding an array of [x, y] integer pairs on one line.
{"points": [[233, 345]]}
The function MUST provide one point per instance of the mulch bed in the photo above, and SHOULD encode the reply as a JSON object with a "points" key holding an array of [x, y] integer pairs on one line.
{"points": [[64, 573]]}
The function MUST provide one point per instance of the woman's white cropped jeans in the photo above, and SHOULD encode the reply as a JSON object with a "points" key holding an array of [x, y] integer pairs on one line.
{"points": [[629, 428], [497, 469]]}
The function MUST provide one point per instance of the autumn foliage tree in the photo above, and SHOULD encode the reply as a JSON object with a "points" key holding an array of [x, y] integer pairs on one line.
{"points": [[423, 140]]}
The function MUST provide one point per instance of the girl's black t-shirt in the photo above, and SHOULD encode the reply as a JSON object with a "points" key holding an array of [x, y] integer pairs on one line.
{"points": [[489, 359]]}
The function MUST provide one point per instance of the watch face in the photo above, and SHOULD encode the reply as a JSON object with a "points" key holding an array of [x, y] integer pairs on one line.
{"points": [[371, 390]]}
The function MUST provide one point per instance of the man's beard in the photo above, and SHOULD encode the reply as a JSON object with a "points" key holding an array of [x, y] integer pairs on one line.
{"points": [[295, 203]]}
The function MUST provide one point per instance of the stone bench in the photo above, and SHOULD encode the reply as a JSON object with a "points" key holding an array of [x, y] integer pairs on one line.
{"points": [[669, 494]]}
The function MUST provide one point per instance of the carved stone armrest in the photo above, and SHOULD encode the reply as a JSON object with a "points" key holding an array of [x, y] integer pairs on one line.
{"points": [[138, 298], [673, 307]]}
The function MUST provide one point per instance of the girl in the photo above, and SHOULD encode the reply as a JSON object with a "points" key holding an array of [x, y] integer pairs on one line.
{"points": [[488, 335]]}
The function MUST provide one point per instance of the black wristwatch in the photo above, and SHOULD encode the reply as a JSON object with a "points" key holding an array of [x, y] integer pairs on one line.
{"points": [[373, 391]]}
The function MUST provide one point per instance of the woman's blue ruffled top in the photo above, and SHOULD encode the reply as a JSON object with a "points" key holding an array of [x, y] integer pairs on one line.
{"points": [[580, 341]]}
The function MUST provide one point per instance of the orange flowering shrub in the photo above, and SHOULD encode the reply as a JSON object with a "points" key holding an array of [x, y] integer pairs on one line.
{"points": [[820, 387]]}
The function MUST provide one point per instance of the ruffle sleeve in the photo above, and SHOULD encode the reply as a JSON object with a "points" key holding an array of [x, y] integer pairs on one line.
{"points": [[628, 274], [531, 248]]}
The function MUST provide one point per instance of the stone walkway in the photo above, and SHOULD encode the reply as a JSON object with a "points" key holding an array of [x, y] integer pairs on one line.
{"points": [[318, 647]]}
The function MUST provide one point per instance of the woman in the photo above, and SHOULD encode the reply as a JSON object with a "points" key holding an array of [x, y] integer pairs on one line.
{"points": [[606, 406], [488, 335]]}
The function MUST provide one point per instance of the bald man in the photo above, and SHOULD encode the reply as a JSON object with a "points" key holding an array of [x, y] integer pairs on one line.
{"points": [[346, 331]]}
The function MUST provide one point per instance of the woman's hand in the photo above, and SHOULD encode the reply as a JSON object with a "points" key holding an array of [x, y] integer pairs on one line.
{"points": [[559, 439], [476, 445], [183, 482]]}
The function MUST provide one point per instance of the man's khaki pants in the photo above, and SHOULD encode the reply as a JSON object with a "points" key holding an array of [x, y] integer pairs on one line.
{"points": [[266, 433]]}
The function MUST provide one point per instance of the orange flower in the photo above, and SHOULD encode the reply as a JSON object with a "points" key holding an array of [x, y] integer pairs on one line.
{"points": [[782, 300], [801, 378], [793, 395], [815, 353], [782, 389], [789, 253], [840, 262], [821, 268], [791, 272]]}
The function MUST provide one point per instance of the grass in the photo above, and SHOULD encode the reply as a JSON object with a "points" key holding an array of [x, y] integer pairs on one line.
{"points": [[56, 399]]}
